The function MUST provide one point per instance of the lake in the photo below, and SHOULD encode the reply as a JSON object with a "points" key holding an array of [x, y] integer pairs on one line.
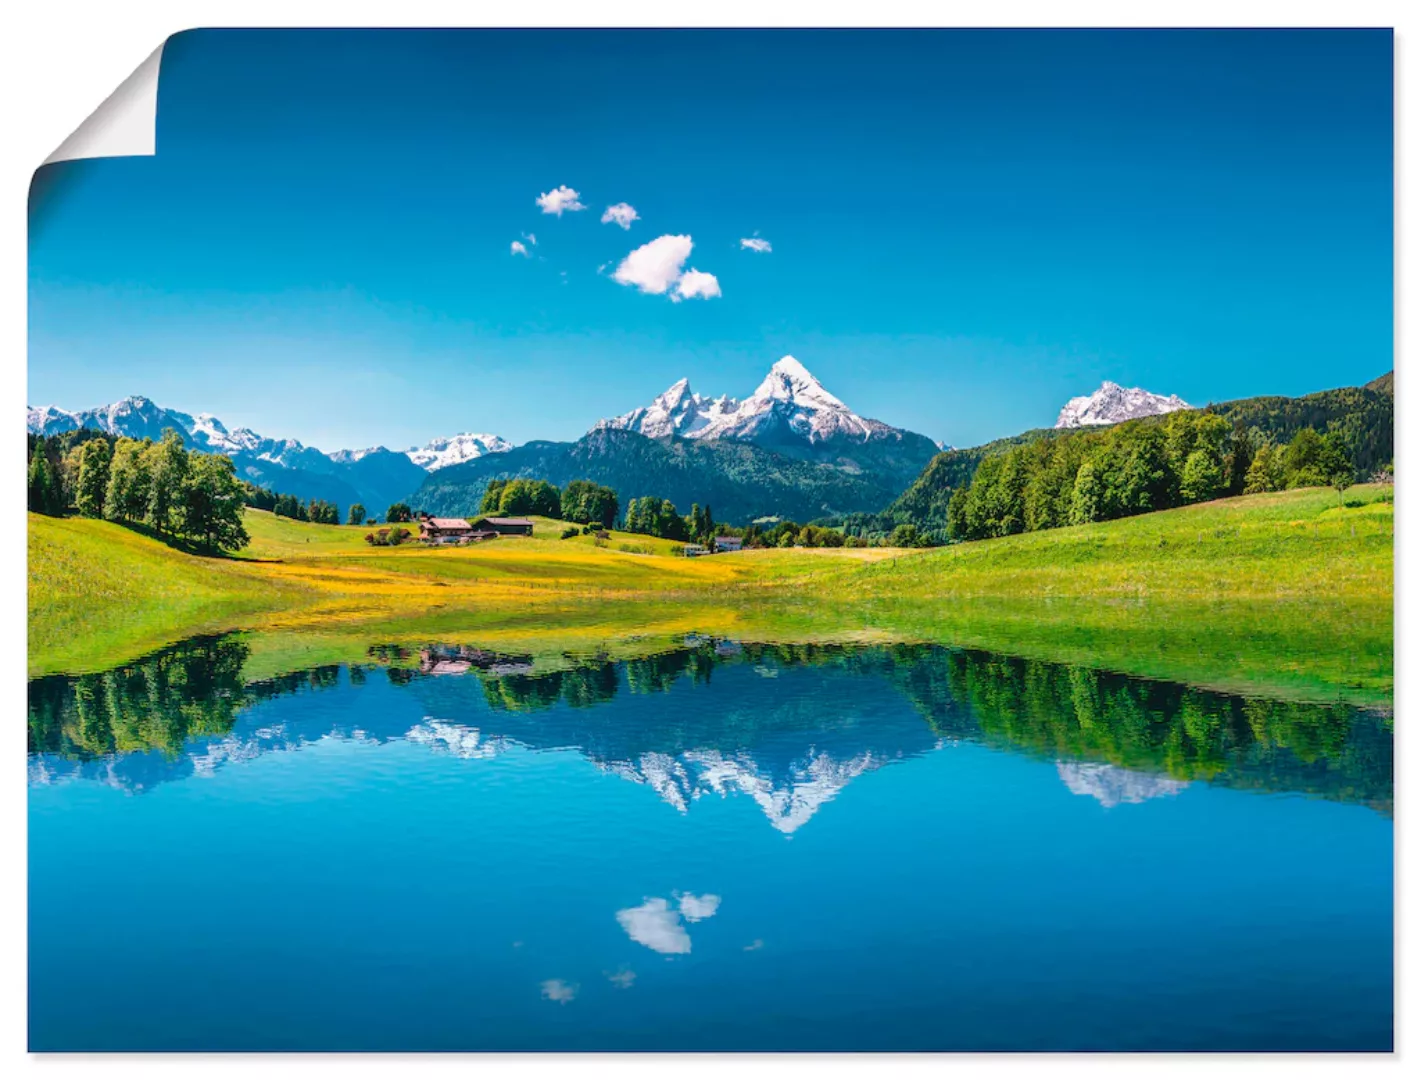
{"points": [[707, 845]]}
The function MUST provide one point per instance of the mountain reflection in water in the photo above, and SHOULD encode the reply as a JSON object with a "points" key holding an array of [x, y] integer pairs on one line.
{"points": [[789, 744]]}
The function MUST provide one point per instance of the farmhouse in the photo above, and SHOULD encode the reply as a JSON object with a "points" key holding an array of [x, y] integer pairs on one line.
{"points": [[727, 543], [505, 526], [440, 530]]}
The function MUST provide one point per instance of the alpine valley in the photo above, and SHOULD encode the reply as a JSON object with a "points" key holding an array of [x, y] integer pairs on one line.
{"points": [[790, 449]]}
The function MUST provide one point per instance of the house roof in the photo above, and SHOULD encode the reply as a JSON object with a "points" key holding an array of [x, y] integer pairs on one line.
{"points": [[508, 521], [448, 523]]}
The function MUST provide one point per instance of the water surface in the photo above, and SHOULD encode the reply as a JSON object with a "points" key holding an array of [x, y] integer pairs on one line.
{"points": [[717, 846]]}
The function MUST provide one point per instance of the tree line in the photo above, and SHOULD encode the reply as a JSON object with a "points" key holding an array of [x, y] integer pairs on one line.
{"points": [[289, 506], [581, 501], [178, 493], [1135, 468]]}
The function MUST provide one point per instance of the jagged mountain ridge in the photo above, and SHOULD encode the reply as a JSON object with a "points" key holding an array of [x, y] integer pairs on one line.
{"points": [[1113, 403], [375, 477], [790, 412]]}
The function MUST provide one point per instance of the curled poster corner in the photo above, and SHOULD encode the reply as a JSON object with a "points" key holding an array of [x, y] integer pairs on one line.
{"points": [[125, 125]]}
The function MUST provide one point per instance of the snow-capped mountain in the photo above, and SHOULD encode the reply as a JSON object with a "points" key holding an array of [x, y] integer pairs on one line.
{"points": [[678, 411], [789, 406], [1113, 403], [139, 418], [374, 477], [438, 453], [789, 395]]}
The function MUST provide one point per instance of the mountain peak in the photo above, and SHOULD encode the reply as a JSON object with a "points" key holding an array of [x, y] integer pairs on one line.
{"points": [[790, 403], [456, 449], [1113, 403]]}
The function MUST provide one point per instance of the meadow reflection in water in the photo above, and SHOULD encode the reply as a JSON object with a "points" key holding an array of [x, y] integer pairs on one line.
{"points": [[180, 711]]}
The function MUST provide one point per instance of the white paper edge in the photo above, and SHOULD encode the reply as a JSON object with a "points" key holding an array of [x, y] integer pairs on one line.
{"points": [[125, 125]]}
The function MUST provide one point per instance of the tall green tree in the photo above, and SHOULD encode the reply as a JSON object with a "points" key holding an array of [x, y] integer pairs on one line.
{"points": [[357, 514], [1202, 479], [398, 512], [41, 498], [167, 470], [210, 510], [1335, 465], [92, 484], [129, 481]]}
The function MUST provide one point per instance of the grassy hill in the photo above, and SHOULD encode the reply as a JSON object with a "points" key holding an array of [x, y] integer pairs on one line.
{"points": [[1288, 592]]}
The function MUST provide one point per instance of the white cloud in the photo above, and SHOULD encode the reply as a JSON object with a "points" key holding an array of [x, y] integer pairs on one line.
{"points": [[695, 283], [559, 991], [656, 926], [754, 243], [622, 978], [559, 199], [530, 238], [517, 248], [656, 267], [622, 214], [695, 908]]}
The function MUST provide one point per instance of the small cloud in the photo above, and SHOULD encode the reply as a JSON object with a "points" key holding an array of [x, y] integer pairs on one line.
{"points": [[559, 991], [754, 243], [696, 908], [695, 283], [602, 269], [517, 248], [622, 214], [754, 946], [530, 238], [622, 978], [559, 199]]}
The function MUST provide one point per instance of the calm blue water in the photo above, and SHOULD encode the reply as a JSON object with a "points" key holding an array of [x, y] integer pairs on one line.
{"points": [[720, 847]]}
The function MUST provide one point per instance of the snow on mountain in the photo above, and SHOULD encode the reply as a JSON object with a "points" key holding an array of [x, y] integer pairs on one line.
{"points": [[139, 418], [1113, 403], [789, 399], [438, 453], [678, 411]]}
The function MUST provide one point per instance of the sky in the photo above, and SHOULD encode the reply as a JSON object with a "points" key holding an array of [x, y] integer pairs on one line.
{"points": [[955, 231]]}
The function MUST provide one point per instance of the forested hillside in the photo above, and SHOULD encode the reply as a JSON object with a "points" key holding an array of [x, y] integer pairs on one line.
{"points": [[740, 481], [1361, 419]]}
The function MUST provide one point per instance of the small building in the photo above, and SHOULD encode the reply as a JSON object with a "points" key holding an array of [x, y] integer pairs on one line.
{"points": [[727, 543], [505, 526], [441, 530], [694, 550]]}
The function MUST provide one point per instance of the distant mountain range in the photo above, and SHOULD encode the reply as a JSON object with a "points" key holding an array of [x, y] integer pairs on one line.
{"points": [[375, 477], [790, 449], [1113, 404]]}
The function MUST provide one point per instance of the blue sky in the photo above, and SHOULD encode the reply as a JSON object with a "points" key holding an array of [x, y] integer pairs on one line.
{"points": [[967, 228]]}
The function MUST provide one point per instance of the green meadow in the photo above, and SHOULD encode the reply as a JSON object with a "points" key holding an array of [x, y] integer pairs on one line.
{"points": [[1288, 594]]}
